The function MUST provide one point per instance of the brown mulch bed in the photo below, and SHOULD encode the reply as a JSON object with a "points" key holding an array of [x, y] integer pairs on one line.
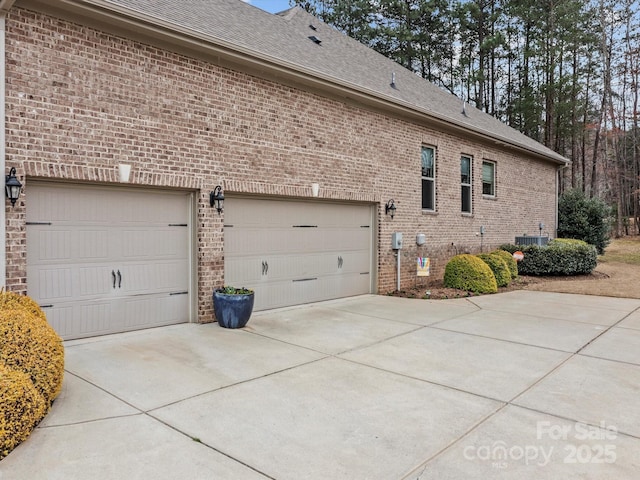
{"points": [[437, 291], [617, 275]]}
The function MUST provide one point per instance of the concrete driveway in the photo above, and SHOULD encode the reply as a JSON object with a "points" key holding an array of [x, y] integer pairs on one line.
{"points": [[522, 385]]}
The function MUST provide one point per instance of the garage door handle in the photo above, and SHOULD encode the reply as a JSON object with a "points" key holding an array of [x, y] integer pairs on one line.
{"points": [[113, 274], [119, 279], [340, 262]]}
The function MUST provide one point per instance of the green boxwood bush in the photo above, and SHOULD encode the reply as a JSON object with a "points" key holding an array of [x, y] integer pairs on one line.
{"points": [[499, 268], [558, 258], [470, 273], [511, 262]]}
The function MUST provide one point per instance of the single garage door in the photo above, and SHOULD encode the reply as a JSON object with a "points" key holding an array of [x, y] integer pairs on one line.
{"points": [[105, 260], [294, 252]]}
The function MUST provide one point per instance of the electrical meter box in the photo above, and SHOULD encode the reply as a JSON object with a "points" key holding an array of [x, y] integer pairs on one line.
{"points": [[396, 240]]}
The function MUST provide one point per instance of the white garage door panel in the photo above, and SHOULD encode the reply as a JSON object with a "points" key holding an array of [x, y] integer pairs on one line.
{"points": [[272, 295], [103, 206], [153, 242], [91, 281], [74, 320], [104, 260], [48, 244], [277, 267], [57, 283], [157, 277], [51, 283], [139, 312], [81, 319], [298, 252]]}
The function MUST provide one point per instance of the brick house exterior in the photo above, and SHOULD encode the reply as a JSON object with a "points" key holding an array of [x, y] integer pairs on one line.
{"points": [[87, 91]]}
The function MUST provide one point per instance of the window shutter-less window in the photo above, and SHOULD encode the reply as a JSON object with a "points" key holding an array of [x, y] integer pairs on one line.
{"points": [[465, 182], [488, 178], [428, 178]]}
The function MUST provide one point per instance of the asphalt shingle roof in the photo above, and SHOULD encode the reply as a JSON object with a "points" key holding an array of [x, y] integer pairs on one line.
{"points": [[284, 40]]}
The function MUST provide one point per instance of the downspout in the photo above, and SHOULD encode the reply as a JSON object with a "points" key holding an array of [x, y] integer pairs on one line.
{"points": [[5, 6]]}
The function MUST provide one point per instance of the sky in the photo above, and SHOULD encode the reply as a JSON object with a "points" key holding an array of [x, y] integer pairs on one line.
{"points": [[272, 6]]}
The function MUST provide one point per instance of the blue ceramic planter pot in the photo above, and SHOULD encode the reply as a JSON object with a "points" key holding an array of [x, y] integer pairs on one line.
{"points": [[232, 311]]}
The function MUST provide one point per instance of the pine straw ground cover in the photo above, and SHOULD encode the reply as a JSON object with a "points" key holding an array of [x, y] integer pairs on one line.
{"points": [[617, 275]]}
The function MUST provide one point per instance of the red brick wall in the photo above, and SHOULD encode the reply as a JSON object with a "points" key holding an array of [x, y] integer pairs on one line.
{"points": [[81, 101]]}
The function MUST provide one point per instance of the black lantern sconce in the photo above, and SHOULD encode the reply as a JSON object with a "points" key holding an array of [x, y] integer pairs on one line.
{"points": [[216, 199], [390, 208], [12, 186]]}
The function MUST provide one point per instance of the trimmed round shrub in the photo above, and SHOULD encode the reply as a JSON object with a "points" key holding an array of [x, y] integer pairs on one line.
{"points": [[470, 273], [29, 345], [21, 408], [510, 261], [12, 301], [498, 266]]}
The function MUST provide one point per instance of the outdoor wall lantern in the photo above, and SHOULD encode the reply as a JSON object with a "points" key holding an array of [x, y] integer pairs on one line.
{"points": [[390, 208], [216, 199], [12, 186]]}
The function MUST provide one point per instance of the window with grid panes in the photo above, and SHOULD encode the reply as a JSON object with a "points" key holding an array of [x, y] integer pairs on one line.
{"points": [[489, 178], [465, 183], [428, 178]]}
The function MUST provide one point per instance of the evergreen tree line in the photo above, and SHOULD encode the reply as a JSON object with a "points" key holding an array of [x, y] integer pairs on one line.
{"points": [[564, 72]]}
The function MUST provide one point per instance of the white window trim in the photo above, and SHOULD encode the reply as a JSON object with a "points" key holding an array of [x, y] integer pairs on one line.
{"points": [[489, 195], [467, 185], [432, 179]]}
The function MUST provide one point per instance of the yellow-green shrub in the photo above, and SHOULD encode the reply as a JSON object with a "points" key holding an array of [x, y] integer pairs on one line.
{"points": [[470, 273], [511, 262], [499, 268], [567, 241], [29, 345], [12, 301], [21, 408]]}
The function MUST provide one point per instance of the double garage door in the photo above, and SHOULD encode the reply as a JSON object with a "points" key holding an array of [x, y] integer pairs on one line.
{"points": [[295, 252], [104, 260]]}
